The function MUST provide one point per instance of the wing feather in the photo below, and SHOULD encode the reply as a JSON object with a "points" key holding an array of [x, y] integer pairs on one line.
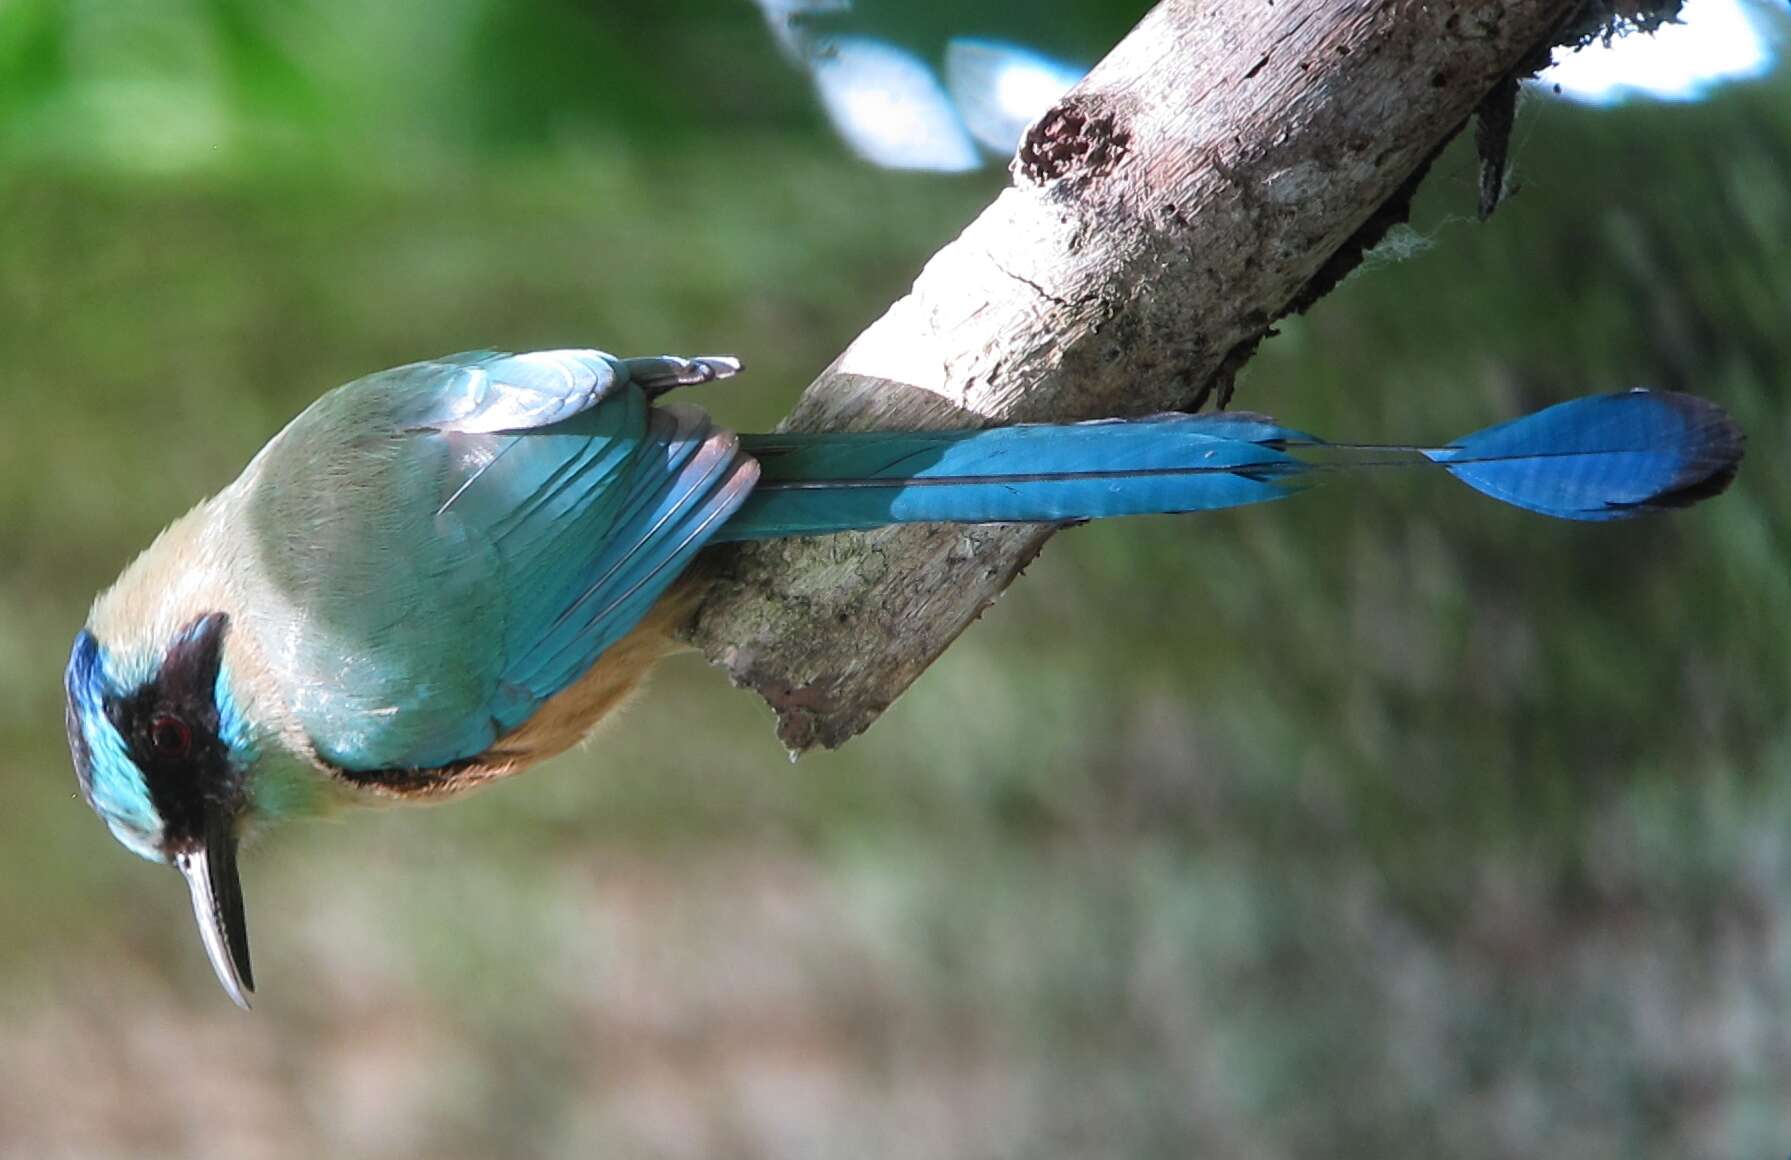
{"points": [[450, 544]]}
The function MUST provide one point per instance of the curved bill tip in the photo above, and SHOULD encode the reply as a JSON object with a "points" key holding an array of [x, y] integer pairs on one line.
{"points": [[720, 366], [210, 871]]}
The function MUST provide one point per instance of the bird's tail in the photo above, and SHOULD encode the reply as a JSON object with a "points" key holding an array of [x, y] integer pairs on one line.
{"points": [[1601, 457]]}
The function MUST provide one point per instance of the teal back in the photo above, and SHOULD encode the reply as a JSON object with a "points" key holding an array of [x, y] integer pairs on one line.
{"points": [[434, 585]]}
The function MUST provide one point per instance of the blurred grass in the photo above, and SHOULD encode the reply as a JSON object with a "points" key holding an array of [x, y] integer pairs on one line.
{"points": [[1384, 821]]}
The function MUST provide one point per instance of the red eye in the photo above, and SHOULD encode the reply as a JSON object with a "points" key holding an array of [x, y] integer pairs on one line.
{"points": [[171, 736]]}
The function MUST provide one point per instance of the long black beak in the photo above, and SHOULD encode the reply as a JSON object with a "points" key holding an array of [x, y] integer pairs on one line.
{"points": [[210, 871]]}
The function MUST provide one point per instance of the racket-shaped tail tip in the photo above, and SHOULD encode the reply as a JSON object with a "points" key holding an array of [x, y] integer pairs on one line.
{"points": [[1603, 457]]}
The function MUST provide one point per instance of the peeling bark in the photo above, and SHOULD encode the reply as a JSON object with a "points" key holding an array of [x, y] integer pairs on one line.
{"points": [[1226, 164]]}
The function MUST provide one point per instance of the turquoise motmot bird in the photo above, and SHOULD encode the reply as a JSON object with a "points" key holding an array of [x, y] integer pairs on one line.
{"points": [[441, 574]]}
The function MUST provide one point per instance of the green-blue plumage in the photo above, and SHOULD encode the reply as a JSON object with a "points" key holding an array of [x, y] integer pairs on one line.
{"points": [[1602, 457], [434, 551], [818, 483], [457, 577], [406, 575], [459, 567]]}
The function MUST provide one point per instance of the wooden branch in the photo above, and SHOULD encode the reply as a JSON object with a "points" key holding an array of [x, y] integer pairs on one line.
{"points": [[1225, 165]]}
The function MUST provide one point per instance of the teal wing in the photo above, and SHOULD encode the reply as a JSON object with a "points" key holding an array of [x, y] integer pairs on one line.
{"points": [[451, 543]]}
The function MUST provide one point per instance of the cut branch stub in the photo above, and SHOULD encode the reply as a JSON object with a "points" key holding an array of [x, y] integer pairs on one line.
{"points": [[1221, 166]]}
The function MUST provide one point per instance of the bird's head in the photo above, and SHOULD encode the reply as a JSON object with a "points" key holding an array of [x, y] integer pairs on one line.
{"points": [[161, 756]]}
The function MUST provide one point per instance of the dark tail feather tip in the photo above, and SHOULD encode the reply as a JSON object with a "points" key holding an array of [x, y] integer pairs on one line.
{"points": [[1719, 447], [1710, 486]]}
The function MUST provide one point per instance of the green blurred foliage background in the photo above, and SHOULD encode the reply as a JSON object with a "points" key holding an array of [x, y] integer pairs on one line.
{"points": [[1385, 821]]}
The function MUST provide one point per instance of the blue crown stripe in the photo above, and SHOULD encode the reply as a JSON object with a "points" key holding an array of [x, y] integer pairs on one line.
{"points": [[110, 781]]}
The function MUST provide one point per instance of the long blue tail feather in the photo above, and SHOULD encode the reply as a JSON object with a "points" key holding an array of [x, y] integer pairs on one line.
{"points": [[1603, 457], [1595, 458]]}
